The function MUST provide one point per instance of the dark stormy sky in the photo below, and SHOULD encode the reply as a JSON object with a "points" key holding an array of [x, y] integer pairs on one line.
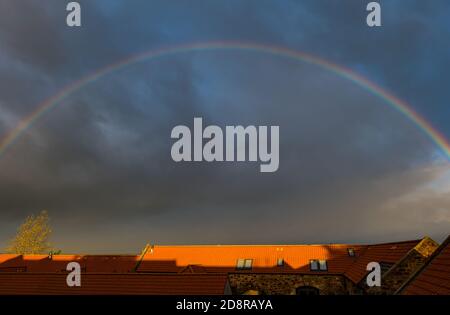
{"points": [[352, 169]]}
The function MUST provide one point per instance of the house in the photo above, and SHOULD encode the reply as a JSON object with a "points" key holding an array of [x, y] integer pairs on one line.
{"points": [[227, 269], [290, 269]]}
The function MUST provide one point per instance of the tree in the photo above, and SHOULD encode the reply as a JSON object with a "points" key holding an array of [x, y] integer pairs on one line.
{"points": [[32, 236]]}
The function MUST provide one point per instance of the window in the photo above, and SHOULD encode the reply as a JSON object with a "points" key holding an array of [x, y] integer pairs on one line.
{"points": [[316, 265], [323, 265], [280, 262], [244, 264], [351, 252]]}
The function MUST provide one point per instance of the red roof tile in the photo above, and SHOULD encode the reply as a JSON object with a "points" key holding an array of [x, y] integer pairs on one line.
{"points": [[58, 263], [434, 277], [381, 253], [188, 260], [223, 258], [113, 284]]}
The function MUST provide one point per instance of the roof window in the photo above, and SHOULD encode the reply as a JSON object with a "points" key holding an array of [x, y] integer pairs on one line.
{"points": [[244, 264], [351, 252], [318, 265]]}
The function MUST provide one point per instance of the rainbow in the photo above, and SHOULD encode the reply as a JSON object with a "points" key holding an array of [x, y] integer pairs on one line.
{"points": [[390, 99]]}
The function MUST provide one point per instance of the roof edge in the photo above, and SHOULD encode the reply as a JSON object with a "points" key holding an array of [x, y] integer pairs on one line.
{"points": [[286, 245], [425, 265], [141, 257]]}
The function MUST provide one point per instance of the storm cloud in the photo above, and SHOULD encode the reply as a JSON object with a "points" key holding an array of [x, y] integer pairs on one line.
{"points": [[352, 168]]}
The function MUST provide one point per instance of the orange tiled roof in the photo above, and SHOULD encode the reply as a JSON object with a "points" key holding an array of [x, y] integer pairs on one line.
{"points": [[434, 277], [113, 284], [5, 257], [58, 263], [223, 258], [382, 253], [206, 259]]}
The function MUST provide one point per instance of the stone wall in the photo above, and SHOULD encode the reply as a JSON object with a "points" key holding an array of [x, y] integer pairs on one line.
{"points": [[286, 284]]}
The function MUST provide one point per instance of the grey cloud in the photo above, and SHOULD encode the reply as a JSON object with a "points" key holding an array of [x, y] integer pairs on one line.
{"points": [[101, 160]]}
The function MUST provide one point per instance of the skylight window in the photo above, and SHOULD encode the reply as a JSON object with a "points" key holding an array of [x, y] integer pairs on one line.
{"points": [[314, 265], [244, 264], [323, 265], [318, 265]]}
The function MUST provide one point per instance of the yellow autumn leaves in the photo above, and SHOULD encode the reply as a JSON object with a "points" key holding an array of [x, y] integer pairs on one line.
{"points": [[32, 236]]}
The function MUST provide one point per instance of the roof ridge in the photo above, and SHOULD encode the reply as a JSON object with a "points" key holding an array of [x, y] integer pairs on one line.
{"points": [[79, 255], [133, 274], [400, 242], [141, 257], [256, 245]]}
